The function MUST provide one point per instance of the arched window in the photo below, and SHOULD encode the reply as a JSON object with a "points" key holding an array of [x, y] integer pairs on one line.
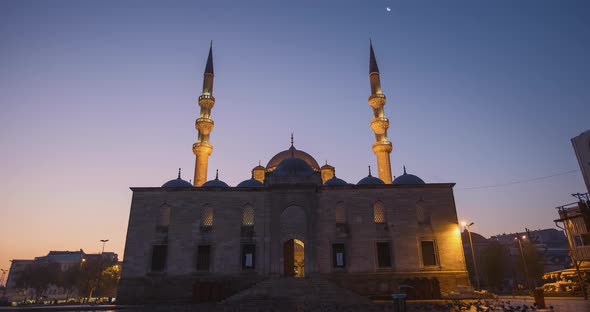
{"points": [[340, 213], [379, 212], [248, 215], [206, 217], [422, 213], [164, 216]]}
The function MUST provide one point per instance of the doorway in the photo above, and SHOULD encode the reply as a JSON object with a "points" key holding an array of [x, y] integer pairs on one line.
{"points": [[294, 258]]}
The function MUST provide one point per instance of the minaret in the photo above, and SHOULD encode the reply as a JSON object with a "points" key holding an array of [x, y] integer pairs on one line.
{"points": [[379, 124], [204, 124]]}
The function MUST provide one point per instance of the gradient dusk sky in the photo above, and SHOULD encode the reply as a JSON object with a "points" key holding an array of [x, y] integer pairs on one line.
{"points": [[100, 96]]}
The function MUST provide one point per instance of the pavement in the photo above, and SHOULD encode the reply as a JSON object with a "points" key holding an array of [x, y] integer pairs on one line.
{"points": [[559, 304]]}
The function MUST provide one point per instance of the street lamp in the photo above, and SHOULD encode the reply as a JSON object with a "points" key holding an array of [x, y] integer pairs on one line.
{"points": [[526, 270], [2, 282], [103, 242], [472, 252]]}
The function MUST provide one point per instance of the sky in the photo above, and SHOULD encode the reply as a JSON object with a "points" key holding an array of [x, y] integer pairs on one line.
{"points": [[100, 96]]}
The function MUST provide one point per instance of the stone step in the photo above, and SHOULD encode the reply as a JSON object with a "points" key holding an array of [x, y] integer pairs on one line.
{"points": [[289, 290]]}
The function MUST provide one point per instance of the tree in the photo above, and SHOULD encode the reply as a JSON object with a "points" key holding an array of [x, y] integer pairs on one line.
{"points": [[94, 273], [69, 280], [534, 262], [492, 265], [109, 281], [39, 275]]}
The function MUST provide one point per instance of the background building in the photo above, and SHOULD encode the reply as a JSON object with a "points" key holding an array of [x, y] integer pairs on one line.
{"points": [[581, 144], [60, 275]]}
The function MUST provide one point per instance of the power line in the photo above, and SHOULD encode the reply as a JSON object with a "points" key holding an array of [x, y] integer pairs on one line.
{"points": [[520, 181]]}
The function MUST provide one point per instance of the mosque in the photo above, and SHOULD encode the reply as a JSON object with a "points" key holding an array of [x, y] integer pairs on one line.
{"points": [[293, 219]]}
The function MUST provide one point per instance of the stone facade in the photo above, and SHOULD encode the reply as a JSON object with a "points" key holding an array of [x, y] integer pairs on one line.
{"points": [[413, 214]]}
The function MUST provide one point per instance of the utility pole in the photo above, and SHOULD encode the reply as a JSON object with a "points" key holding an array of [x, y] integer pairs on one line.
{"points": [[526, 270], [472, 252]]}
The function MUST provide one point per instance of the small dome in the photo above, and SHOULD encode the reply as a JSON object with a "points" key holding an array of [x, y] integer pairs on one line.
{"points": [[178, 182], [335, 181], [250, 183], [407, 179], [216, 182], [370, 180], [293, 166], [326, 166]]}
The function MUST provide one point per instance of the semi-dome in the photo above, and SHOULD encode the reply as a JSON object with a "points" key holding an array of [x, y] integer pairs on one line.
{"points": [[408, 179], [292, 152], [335, 181], [293, 166], [370, 180], [250, 183], [216, 182], [178, 182]]}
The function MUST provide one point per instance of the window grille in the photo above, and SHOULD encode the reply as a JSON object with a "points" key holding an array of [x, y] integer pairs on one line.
{"points": [[340, 213], [379, 212], [207, 217], [164, 217], [248, 216]]}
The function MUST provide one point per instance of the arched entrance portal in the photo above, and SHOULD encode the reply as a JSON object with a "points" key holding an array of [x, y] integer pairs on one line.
{"points": [[294, 258]]}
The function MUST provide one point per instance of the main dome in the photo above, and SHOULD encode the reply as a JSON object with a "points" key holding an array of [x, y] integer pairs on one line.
{"points": [[292, 152], [293, 166]]}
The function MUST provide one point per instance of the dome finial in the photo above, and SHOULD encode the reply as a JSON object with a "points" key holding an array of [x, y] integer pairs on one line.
{"points": [[370, 171], [216, 174], [404, 169], [259, 162], [291, 139], [179, 173]]}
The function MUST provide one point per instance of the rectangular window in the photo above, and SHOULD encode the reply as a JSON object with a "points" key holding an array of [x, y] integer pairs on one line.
{"points": [[159, 258], [428, 253], [248, 256], [203, 257], [338, 256], [383, 255]]}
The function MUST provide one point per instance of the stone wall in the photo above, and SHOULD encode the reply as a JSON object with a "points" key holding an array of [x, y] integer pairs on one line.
{"points": [[412, 214]]}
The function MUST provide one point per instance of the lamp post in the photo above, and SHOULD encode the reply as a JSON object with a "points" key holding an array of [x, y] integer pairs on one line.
{"points": [[526, 270], [104, 241], [472, 252], [2, 282]]}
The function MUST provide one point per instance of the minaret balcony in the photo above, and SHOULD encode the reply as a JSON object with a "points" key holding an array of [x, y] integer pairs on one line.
{"points": [[377, 100], [202, 148], [204, 125], [379, 125], [382, 147], [206, 101]]}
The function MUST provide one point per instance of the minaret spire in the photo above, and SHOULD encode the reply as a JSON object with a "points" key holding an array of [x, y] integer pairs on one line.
{"points": [[379, 124], [204, 124]]}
